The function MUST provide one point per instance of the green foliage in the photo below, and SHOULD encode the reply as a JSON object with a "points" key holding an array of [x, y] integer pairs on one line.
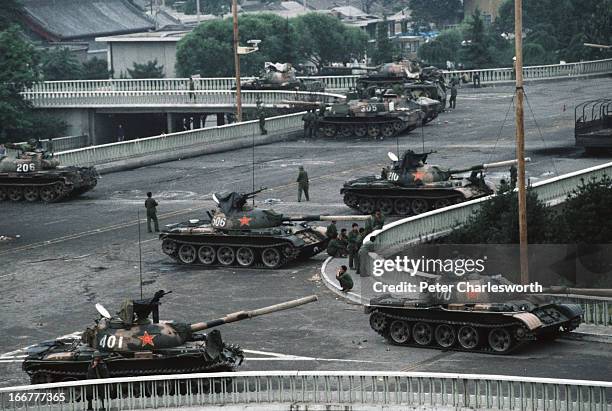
{"points": [[216, 7], [477, 53], [150, 69], [9, 13], [60, 64], [444, 48], [383, 51], [439, 12], [95, 69]]}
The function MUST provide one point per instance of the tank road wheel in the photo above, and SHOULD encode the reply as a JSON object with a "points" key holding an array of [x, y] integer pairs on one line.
{"points": [[30, 194], [374, 130], [329, 130], [422, 333], [366, 205], [187, 253], [468, 337], [445, 335], [271, 257], [3, 194], [47, 194], [385, 205], [245, 256], [350, 200], [361, 131], [401, 206], [169, 246], [419, 206], [378, 322], [388, 130], [206, 255], [15, 193], [346, 131], [399, 331], [500, 340], [226, 255], [443, 202], [398, 125]]}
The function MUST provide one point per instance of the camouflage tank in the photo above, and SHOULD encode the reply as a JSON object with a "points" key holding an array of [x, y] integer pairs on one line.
{"points": [[133, 344], [464, 320], [384, 115], [34, 176], [410, 186], [277, 76], [389, 74], [239, 235]]}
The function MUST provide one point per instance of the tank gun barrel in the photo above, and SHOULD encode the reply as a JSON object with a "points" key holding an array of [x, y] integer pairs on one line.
{"points": [[243, 315], [329, 218], [488, 166], [254, 193]]}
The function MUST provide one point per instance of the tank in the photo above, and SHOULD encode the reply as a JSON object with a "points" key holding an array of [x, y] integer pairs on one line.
{"points": [[34, 176], [411, 186], [243, 236], [279, 76], [134, 342], [389, 74], [473, 321], [383, 115]]}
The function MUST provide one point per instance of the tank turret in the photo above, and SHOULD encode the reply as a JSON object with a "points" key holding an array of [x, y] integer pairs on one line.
{"points": [[281, 76], [136, 342]]}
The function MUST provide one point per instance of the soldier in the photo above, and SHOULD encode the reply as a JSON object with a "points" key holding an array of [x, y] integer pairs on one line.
{"points": [[302, 181], [332, 230], [336, 248], [353, 246], [96, 370], [343, 237], [476, 78], [191, 89], [384, 173], [453, 97], [307, 119], [344, 278], [120, 133], [375, 222], [362, 236], [261, 114], [151, 206]]}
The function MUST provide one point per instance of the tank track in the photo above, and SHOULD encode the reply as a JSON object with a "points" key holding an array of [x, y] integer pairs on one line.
{"points": [[363, 127], [483, 330], [398, 205], [286, 252], [47, 192]]}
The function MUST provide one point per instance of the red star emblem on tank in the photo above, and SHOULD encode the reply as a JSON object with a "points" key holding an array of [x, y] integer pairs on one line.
{"points": [[244, 220], [418, 175], [147, 339]]}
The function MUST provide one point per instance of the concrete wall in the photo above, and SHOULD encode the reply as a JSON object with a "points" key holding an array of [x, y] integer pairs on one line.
{"points": [[125, 54]]}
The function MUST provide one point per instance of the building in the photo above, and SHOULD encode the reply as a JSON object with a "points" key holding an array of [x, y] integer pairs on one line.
{"points": [[488, 8], [123, 51]]}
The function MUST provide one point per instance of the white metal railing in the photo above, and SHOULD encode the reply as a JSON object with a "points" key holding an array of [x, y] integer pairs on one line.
{"points": [[165, 143], [596, 309], [434, 223], [291, 388], [173, 98]]}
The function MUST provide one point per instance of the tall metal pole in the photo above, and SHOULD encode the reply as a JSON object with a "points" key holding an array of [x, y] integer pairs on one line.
{"points": [[520, 140], [237, 62]]}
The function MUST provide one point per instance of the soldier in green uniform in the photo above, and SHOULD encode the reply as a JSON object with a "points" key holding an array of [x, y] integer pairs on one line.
{"points": [[96, 370], [374, 222], [302, 181], [332, 230], [336, 248], [344, 278], [151, 206], [261, 114], [452, 102], [353, 246], [343, 237], [309, 121]]}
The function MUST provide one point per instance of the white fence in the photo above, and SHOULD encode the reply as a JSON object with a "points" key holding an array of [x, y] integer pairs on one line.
{"points": [[435, 223], [290, 389], [247, 130]]}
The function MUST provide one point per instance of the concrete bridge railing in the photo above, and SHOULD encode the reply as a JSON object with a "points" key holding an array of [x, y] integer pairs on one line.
{"points": [[174, 98], [361, 390], [436, 223]]}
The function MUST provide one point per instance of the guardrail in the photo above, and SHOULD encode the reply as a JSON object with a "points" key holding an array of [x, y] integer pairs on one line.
{"points": [[174, 98], [332, 83], [326, 388], [436, 223], [165, 143], [596, 309]]}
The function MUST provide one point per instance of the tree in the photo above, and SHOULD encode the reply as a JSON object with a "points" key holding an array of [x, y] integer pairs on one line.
{"points": [[150, 69], [477, 53], [60, 64], [439, 12], [9, 13], [443, 48], [216, 7], [383, 51], [95, 69]]}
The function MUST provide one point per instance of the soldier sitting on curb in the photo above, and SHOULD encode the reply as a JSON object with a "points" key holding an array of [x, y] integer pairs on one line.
{"points": [[344, 278]]}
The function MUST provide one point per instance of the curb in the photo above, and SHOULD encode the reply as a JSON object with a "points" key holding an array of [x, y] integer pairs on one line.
{"points": [[350, 297]]}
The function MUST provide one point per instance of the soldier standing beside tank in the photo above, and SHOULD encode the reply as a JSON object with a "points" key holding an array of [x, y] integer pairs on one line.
{"points": [[375, 222], [302, 181], [353, 246], [261, 115], [151, 206], [332, 230], [96, 370], [453, 97], [309, 119]]}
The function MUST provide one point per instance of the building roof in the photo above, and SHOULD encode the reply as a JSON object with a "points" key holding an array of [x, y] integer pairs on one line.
{"points": [[171, 36], [73, 19]]}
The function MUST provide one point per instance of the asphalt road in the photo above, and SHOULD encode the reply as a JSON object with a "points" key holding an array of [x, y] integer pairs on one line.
{"points": [[69, 256]]}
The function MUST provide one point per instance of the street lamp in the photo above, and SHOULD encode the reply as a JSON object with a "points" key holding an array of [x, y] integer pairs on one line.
{"points": [[239, 50]]}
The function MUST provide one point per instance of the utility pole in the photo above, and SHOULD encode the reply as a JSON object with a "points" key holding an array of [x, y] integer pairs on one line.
{"points": [[237, 62], [198, 10], [520, 140]]}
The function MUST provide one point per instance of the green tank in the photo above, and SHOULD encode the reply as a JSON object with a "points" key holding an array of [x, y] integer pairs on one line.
{"points": [[411, 186], [134, 342], [388, 74], [277, 76], [384, 115], [34, 176], [237, 234]]}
